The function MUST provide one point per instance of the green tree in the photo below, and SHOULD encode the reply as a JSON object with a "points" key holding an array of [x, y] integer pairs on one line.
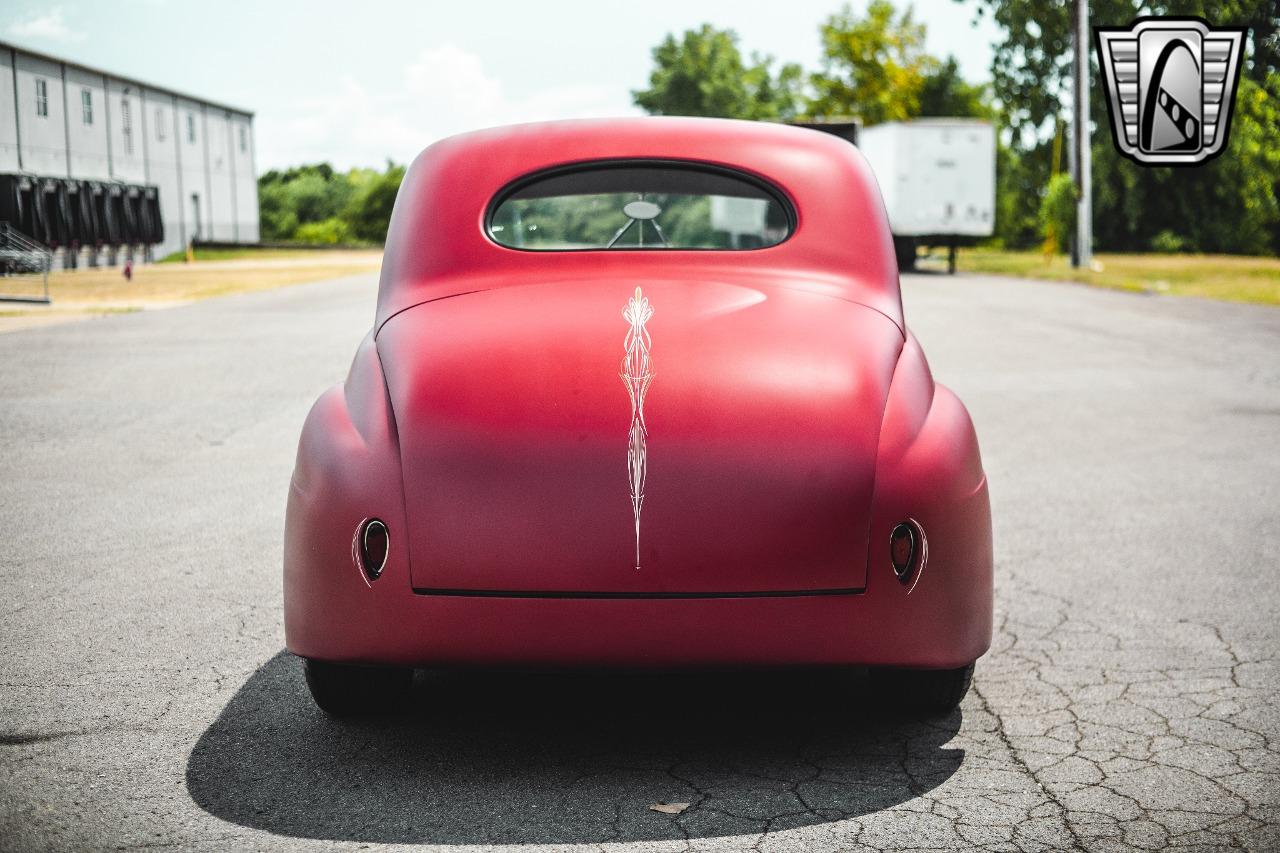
{"points": [[1021, 176], [276, 217], [945, 92], [703, 74], [316, 204], [1135, 205], [327, 232], [1058, 211], [874, 68], [370, 210]]}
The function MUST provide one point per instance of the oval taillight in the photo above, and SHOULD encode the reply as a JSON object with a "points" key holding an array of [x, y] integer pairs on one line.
{"points": [[375, 542], [904, 549]]}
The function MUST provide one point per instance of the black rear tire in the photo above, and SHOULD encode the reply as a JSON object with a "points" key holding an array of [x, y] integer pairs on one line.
{"points": [[345, 690], [928, 692]]}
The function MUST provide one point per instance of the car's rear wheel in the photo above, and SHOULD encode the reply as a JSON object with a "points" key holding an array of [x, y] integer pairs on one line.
{"points": [[344, 690], [932, 692]]}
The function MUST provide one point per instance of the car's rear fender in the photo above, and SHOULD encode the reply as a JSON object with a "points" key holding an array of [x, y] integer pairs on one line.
{"points": [[347, 471], [929, 470]]}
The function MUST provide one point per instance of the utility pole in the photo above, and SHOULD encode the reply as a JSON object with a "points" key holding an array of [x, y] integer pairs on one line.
{"points": [[1083, 255]]}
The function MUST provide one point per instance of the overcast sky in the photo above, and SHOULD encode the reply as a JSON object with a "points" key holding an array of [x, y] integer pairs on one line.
{"points": [[357, 82]]}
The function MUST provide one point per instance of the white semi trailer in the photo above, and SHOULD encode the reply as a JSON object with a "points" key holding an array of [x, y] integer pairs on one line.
{"points": [[937, 176]]}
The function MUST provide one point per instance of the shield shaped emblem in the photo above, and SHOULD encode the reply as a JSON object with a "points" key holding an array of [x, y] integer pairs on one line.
{"points": [[1170, 86]]}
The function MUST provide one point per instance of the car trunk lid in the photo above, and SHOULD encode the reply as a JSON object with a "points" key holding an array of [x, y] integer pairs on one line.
{"points": [[677, 438]]}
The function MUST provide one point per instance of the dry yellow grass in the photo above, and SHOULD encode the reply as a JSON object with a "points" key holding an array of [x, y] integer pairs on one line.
{"points": [[154, 285], [1234, 278]]}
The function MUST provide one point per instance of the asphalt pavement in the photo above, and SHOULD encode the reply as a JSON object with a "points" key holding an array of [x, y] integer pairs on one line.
{"points": [[1129, 699]]}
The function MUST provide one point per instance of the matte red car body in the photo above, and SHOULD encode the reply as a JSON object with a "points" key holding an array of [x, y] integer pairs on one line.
{"points": [[792, 423]]}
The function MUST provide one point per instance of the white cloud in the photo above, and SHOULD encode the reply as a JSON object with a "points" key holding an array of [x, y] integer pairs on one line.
{"points": [[442, 91], [49, 26]]}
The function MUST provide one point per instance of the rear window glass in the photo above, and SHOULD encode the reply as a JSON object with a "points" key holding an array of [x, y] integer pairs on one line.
{"points": [[640, 206]]}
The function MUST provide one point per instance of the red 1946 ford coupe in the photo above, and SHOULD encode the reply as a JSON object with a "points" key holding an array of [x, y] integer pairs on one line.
{"points": [[639, 393]]}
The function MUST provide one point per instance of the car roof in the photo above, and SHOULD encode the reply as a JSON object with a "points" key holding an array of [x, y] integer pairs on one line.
{"points": [[841, 246]]}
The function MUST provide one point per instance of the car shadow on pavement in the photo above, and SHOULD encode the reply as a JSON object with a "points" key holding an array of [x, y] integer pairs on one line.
{"points": [[501, 757]]}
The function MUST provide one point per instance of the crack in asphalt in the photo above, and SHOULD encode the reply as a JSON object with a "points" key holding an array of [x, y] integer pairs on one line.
{"points": [[1149, 755], [1117, 753], [1072, 737], [1061, 810]]}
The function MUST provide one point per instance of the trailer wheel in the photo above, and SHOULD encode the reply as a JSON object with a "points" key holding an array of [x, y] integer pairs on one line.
{"points": [[905, 249]]}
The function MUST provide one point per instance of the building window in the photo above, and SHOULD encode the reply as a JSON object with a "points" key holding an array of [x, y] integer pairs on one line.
{"points": [[42, 98], [126, 125], [86, 106], [191, 128], [244, 139], [159, 125]]}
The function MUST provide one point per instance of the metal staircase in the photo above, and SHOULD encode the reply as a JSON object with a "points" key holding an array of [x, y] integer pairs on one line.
{"points": [[23, 258]]}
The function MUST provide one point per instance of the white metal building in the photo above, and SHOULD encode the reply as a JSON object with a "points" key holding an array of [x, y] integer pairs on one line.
{"points": [[60, 119]]}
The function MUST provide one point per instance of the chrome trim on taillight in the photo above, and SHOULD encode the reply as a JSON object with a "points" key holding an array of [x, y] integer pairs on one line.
{"points": [[368, 532], [908, 571]]}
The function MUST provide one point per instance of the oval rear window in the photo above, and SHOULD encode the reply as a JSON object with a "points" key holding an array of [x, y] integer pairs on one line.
{"points": [[640, 205]]}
